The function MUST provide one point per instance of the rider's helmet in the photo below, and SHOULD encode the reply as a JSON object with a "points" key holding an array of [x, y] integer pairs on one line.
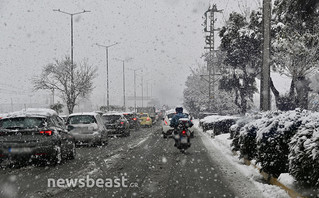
{"points": [[179, 109]]}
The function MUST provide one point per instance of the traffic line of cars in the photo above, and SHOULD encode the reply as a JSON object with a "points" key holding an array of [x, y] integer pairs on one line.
{"points": [[41, 135]]}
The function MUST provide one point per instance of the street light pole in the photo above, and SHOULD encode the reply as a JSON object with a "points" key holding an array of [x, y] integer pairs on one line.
{"points": [[123, 61], [135, 88], [71, 14], [142, 91], [72, 65], [107, 71], [134, 91], [123, 84]]}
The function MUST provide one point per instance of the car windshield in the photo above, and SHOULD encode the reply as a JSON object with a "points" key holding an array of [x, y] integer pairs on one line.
{"points": [[81, 119], [22, 122], [111, 117], [144, 115]]}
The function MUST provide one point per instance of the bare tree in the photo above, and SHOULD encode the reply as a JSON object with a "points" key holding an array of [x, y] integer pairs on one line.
{"points": [[71, 83]]}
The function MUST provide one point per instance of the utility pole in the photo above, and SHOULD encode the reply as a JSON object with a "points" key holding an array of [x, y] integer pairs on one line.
{"points": [[210, 41], [107, 72], [265, 70]]}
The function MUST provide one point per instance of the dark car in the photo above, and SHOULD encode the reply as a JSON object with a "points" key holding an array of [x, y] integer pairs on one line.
{"points": [[35, 134], [133, 120], [116, 124], [87, 128]]}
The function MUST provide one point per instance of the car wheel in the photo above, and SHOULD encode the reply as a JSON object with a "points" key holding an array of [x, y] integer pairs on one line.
{"points": [[57, 158], [73, 152]]}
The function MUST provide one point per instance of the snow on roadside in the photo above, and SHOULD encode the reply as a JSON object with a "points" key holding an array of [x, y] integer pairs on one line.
{"points": [[222, 144]]}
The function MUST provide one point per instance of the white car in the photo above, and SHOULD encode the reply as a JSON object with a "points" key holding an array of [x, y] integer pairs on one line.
{"points": [[166, 129]]}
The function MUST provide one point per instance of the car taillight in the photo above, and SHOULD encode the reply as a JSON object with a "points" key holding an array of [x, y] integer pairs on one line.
{"points": [[147, 119], [165, 122], [134, 119], [46, 132], [122, 122], [184, 132]]}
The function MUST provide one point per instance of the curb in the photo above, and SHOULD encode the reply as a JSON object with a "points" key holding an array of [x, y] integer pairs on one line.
{"points": [[272, 180]]}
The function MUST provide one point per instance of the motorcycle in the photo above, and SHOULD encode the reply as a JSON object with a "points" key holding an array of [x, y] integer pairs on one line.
{"points": [[182, 134]]}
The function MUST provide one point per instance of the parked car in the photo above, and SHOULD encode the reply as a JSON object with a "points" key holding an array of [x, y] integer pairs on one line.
{"points": [[145, 120], [166, 129], [133, 120], [35, 134], [116, 124], [87, 128]]}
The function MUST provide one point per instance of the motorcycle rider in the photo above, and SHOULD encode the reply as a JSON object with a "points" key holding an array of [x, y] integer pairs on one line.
{"points": [[174, 122]]}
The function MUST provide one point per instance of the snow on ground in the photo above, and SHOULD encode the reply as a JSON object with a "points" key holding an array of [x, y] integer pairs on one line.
{"points": [[222, 144]]}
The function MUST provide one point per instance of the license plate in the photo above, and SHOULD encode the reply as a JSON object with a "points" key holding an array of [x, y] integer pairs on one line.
{"points": [[19, 150], [183, 140]]}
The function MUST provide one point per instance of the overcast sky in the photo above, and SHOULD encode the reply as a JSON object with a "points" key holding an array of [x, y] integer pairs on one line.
{"points": [[165, 37]]}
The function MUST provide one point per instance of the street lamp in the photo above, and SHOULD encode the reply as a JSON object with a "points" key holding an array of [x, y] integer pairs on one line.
{"points": [[123, 61], [107, 72], [71, 14], [147, 94], [72, 66], [135, 87]]}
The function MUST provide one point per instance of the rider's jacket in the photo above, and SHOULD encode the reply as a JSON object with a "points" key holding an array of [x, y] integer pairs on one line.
{"points": [[176, 117]]}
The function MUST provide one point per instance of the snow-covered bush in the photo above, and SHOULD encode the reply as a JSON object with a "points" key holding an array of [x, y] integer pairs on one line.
{"points": [[304, 152], [219, 124], [234, 130], [247, 140], [273, 136]]}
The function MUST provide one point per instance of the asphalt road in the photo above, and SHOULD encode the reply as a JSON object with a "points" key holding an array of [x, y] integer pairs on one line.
{"points": [[142, 165]]}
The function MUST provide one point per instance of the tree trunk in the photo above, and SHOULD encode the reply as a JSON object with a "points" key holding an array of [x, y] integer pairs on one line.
{"points": [[302, 89], [284, 103], [292, 87], [243, 101], [275, 92]]}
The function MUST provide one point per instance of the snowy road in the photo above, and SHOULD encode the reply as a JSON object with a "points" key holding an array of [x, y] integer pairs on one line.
{"points": [[150, 165]]}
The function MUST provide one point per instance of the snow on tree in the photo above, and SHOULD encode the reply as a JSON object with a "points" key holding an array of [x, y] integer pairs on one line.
{"points": [[295, 47], [196, 95], [58, 76], [242, 44]]}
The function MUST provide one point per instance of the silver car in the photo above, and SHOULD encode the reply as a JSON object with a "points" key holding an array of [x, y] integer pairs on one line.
{"points": [[87, 128]]}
